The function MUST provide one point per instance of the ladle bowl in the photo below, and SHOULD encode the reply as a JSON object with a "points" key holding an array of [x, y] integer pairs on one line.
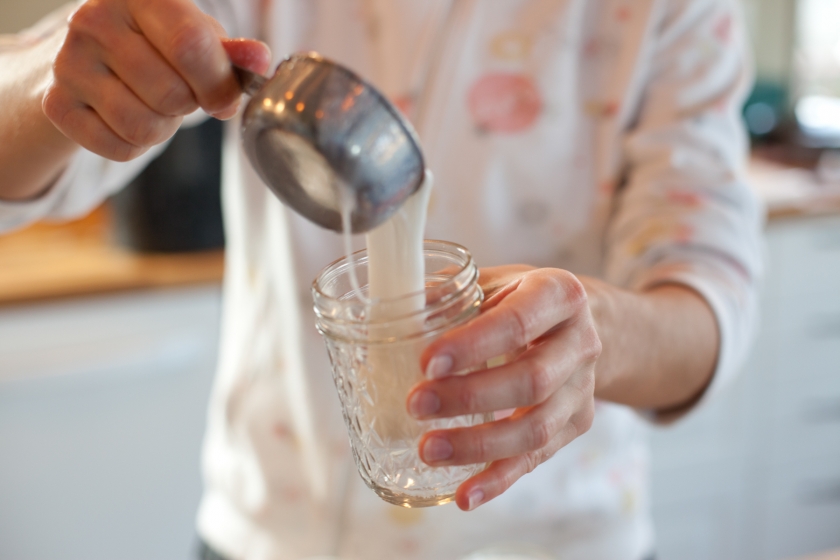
{"points": [[323, 139]]}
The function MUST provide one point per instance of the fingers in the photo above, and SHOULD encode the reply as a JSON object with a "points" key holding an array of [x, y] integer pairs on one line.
{"points": [[550, 385], [502, 474], [185, 38], [492, 279], [529, 380], [249, 54], [565, 415], [84, 126], [100, 38], [93, 107], [129, 117], [150, 77], [533, 305], [514, 446]]}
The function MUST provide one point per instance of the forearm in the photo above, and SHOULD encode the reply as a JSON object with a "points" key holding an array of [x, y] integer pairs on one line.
{"points": [[660, 347], [32, 151]]}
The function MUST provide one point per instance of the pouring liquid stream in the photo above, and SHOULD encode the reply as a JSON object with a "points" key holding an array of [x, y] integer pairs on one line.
{"points": [[395, 252], [396, 269], [347, 206]]}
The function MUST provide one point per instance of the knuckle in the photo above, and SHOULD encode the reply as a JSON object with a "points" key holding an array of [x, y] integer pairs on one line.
{"points": [[141, 132], [143, 128], [510, 476], [587, 385], [74, 41], [89, 19], [54, 106], [481, 449], [583, 384], [190, 43], [176, 100], [582, 420], [592, 346], [64, 67], [563, 287], [468, 400], [540, 381], [521, 325], [553, 281], [573, 290], [532, 461], [122, 152], [541, 432], [59, 110]]}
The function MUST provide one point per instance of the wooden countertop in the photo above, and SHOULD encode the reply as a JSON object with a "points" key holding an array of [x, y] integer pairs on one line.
{"points": [[46, 261], [792, 192]]}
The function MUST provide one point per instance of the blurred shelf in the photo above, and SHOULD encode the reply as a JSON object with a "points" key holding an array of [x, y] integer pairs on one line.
{"points": [[48, 261], [790, 191]]}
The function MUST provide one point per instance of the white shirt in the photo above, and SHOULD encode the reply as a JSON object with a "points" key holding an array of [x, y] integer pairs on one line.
{"points": [[600, 136]]}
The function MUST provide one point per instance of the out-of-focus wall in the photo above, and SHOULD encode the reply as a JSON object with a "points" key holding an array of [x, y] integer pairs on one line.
{"points": [[20, 14], [772, 28]]}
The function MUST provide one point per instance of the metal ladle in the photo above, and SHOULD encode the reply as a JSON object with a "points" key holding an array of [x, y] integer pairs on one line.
{"points": [[316, 132]]}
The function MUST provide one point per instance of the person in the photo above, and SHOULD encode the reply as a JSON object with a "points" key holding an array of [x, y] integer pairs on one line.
{"points": [[590, 155]]}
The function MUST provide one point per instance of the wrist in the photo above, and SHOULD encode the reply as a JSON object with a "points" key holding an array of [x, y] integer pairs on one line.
{"points": [[659, 345], [605, 302], [36, 151]]}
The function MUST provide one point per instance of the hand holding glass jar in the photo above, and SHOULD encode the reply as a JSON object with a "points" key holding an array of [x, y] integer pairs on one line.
{"points": [[538, 320], [550, 384]]}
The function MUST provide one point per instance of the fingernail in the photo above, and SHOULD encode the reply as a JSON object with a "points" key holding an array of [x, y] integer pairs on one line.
{"points": [[475, 498], [436, 449], [423, 403], [439, 366], [223, 116], [227, 113]]}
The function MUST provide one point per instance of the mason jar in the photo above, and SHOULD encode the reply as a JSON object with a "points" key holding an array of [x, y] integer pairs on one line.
{"points": [[375, 348]]}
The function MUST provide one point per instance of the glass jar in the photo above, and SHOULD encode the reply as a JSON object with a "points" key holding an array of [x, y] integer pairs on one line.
{"points": [[376, 362]]}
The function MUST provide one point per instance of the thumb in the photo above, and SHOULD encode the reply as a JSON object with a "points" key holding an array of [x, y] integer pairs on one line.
{"points": [[249, 54]]}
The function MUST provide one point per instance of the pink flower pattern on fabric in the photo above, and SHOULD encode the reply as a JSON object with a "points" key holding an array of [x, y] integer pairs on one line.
{"points": [[405, 104], [685, 198], [505, 102], [723, 29]]}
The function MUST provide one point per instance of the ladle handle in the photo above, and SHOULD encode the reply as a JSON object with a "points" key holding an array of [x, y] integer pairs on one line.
{"points": [[250, 82]]}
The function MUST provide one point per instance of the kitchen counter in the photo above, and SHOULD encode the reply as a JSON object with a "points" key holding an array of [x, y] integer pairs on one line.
{"points": [[48, 261], [791, 192], [833, 555]]}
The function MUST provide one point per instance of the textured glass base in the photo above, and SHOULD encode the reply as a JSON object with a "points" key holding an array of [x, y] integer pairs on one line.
{"points": [[372, 386], [407, 501]]}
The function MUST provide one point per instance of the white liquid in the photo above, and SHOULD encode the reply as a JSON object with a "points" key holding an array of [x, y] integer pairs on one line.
{"points": [[396, 268], [347, 206]]}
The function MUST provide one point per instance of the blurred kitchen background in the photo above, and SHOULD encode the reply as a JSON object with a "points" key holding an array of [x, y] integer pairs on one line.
{"points": [[109, 325]]}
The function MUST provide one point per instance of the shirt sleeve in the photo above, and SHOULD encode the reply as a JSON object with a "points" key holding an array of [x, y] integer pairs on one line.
{"points": [[86, 182], [686, 214]]}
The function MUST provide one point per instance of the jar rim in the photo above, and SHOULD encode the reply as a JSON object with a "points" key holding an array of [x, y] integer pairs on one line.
{"points": [[323, 300]]}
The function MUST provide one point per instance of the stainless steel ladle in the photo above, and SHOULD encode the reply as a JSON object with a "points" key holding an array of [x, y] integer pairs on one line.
{"points": [[316, 130]]}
